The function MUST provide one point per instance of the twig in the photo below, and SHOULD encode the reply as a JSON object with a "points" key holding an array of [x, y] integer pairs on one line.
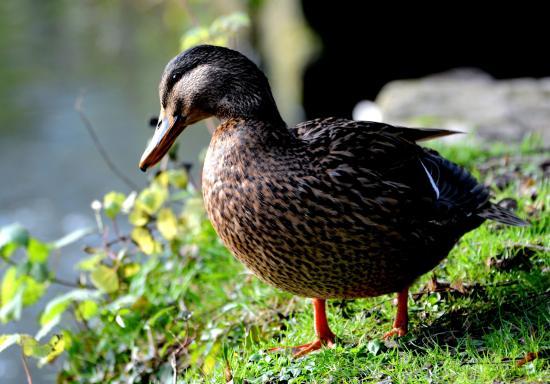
{"points": [[70, 284], [121, 238], [89, 127], [173, 363], [151, 341], [107, 249], [26, 368]]}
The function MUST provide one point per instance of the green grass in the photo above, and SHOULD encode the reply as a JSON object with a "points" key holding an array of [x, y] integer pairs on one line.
{"points": [[181, 305], [479, 335]]}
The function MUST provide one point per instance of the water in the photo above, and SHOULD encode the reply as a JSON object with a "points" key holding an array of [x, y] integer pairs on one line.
{"points": [[111, 53]]}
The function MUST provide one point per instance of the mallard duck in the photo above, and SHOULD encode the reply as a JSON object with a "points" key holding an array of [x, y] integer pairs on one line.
{"points": [[330, 208]]}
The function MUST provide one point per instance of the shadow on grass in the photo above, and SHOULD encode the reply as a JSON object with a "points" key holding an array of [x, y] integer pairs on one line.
{"points": [[479, 318]]}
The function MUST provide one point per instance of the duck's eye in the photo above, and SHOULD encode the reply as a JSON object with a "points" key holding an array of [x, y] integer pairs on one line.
{"points": [[174, 77]]}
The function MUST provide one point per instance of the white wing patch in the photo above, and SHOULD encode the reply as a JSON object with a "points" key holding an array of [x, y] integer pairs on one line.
{"points": [[432, 182]]}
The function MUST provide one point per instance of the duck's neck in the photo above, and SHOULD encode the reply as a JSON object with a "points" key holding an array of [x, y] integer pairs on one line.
{"points": [[252, 133], [249, 102]]}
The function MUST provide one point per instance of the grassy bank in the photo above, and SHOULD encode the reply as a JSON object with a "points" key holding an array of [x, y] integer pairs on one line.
{"points": [[165, 298]]}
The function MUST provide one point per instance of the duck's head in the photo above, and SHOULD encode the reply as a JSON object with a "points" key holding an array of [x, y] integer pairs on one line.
{"points": [[207, 81]]}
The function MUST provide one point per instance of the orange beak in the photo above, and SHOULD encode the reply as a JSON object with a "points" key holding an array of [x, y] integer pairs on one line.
{"points": [[168, 129]]}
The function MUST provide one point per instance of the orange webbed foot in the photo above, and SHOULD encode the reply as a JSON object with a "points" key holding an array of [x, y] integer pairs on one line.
{"points": [[304, 349], [325, 337], [399, 331]]}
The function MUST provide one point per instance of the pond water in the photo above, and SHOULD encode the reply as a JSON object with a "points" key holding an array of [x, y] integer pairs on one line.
{"points": [[111, 53]]}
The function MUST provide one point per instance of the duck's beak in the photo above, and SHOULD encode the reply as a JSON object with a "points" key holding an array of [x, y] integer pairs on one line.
{"points": [[168, 129]]}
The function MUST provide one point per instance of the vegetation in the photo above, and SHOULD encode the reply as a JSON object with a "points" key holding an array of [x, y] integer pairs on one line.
{"points": [[159, 299], [165, 299]]}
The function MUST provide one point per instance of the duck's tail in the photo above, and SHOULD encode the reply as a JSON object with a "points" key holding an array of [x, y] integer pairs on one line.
{"points": [[502, 215]]}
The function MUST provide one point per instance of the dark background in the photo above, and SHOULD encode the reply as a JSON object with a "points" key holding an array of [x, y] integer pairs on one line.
{"points": [[388, 42]]}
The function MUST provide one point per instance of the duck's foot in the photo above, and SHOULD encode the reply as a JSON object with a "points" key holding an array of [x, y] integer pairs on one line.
{"points": [[325, 337], [400, 325], [399, 331], [304, 349]]}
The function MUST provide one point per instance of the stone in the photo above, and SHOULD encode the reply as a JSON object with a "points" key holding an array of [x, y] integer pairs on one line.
{"points": [[471, 100]]}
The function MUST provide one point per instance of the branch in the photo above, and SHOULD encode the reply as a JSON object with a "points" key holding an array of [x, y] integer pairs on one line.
{"points": [[26, 368], [89, 127], [70, 284], [174, 365]]}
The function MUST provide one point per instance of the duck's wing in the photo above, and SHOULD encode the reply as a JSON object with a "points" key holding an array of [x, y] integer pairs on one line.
{"points": [[383, 164], [317, 127]]}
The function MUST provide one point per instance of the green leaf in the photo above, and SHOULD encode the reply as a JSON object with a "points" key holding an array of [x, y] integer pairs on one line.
{"points": [[130, 269], [34, 290], [87, 309], [31, 346], [18, 291], [167, 224], [177, 178], [90, 263], [7, 341], [56, 346], [12, 237], [52, 315], [112, 203], [54, 309], [161, 179], [38, 271], [138, 217], [120, 321], [12, 309], [374, 346], [151, 199], [38, 252], [57, 306], [72, 237], [145, 241], [10, 285], [129, 319], [121, 302], [105, 279]]}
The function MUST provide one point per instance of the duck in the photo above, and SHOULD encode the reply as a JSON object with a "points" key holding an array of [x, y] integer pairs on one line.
{"points": [[327, 209]]}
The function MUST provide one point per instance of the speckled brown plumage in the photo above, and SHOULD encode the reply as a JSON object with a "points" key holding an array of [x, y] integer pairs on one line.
{"points": [[311, 211], [330, 208]]}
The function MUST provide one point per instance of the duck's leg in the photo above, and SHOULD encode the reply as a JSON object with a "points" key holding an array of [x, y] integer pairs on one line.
{"points": [[322, 330], [402, 317]]}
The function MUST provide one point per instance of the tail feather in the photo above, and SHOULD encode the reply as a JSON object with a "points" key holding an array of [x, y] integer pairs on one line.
{"points": [[502, 215]]}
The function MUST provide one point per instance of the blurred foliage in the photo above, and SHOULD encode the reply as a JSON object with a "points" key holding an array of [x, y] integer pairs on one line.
{"points": [[135, 292], [220, 32]]}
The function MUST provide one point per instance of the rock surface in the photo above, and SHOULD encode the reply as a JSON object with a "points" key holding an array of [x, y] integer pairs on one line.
{"points": [[467, 99]]}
